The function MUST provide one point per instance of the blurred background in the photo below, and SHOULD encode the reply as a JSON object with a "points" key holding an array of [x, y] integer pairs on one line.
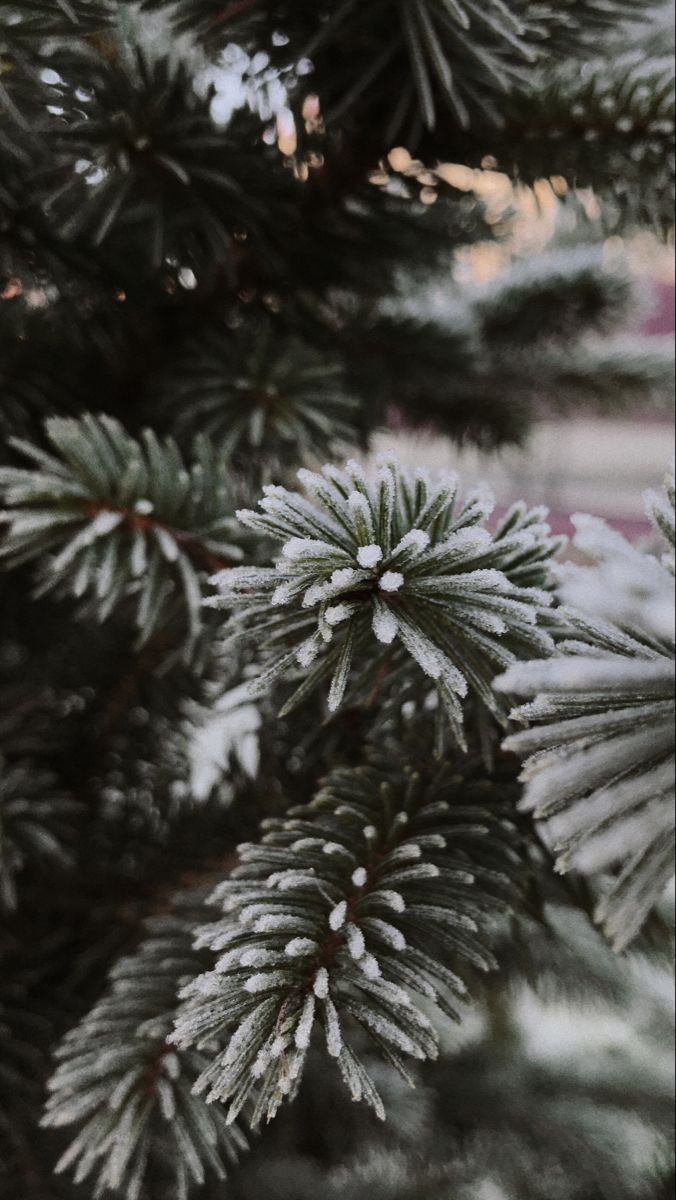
{"points": [[583, 461]]}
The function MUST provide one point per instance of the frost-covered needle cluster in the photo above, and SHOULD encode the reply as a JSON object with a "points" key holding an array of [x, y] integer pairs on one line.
{"points": [[599, 752], [358, 910], [372, 567], [129, 1090]]}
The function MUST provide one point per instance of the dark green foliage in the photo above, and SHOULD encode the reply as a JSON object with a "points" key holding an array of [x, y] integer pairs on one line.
{"points": [[31, 1017], [129, 521], [259, 393], [29, 21], [437, 49], [128, 204], [457, 56], [36, 825], [176, 186], [220, 261], [553, 295], [40, 822]]}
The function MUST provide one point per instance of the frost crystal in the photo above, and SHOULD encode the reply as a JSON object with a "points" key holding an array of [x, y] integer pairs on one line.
{"points": [[416, 540], [391, 581], [355, 941], [321, 984], [298, 548], [338, 916], [338, 614], [385, 625], [272, 921], [304, 1029], [258, 983], [369, 556], [308, 652], [334, 1037], [300, 948], [370, 966]]}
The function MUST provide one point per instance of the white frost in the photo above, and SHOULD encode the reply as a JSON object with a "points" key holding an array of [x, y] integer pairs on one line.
{"points": [[282, 594], [334, 1037], [297, 548], [369, 556], [416, 540], [321, 983], [337, 917], [300, 948], [343, 577], [355, 942], [385, 625], [370, 966], [391, 581], [308, 651], [259, 983], [304, 1030], [337, 614]]}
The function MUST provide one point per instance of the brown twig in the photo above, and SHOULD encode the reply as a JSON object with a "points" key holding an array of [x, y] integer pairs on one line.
{"points": [[127, 689], [201, 555], [379, 682], [232, 10]]}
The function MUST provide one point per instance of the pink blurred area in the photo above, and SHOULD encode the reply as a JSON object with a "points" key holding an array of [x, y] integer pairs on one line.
{"points": [[663, 318], [579, 462]]}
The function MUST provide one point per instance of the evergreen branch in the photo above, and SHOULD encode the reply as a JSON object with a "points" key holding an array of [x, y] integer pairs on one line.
{"points": [[600, 760], [609, 373], [31, 1015], [449, 356], [661, 507], [147, 526], [458, 57], [348, 911], [138, 179], [261, 393], [166, 240], [606, 789], [577, 25], [367, 563], [440, 49], [128, 520], [609, 127], [158, 171], [554, 297], [129, 1091], [621, 583]]}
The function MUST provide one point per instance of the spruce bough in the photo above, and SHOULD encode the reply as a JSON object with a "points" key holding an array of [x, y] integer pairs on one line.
{"points": [[322, 785], [394, 559]]}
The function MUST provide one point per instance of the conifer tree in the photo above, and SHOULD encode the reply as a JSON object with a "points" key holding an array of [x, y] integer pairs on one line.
{"points": [[324, 789]]}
